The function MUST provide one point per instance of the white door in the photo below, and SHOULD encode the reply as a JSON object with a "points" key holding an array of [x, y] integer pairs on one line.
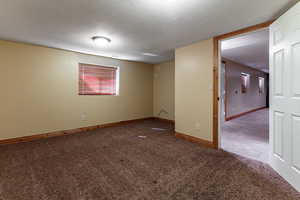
{"points": [[285, 96]]}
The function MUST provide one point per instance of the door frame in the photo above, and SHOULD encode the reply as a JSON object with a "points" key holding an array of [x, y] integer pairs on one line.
{"points": [[225, 88], [216, 75]]}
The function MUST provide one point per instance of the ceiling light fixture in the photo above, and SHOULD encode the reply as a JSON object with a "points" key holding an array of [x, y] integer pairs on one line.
{"points": [[101, 40], [150, 54]]}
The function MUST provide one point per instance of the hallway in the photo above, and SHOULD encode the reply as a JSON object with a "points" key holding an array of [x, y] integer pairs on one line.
{"points": [[248, 135]]}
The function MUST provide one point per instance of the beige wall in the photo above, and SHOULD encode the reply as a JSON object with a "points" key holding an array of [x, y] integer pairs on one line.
{"points": [[238, 102], [194, 89], [164, 90], [39, 91]]}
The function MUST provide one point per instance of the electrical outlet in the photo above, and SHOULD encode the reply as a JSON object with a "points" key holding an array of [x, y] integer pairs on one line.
{"points": [[198, 126]]}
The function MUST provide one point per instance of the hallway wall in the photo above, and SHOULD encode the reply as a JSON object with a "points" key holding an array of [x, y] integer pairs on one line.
{"points": [[238, 102]]}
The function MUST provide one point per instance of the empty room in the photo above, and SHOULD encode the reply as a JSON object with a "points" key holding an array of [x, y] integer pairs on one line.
{"points": [[144, 100]]}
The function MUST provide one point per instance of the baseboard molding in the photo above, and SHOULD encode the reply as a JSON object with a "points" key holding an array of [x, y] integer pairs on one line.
{"points": [[244, 113], [67, 132], [195, 140], [165, 120]]}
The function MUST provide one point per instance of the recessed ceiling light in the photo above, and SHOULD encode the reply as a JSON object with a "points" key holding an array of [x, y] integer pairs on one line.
{"points": [[101, 40], [150, 54]]}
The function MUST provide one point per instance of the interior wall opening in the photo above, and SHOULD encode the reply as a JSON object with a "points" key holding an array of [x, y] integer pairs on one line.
{"points": [[244, 92]]}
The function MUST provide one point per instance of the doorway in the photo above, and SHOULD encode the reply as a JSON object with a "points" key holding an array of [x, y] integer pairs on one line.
{"points": [[217, 96], [244, 91], [283, 94]]}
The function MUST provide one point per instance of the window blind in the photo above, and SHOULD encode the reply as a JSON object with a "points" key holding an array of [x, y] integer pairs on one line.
{"points": [[97, 80]]}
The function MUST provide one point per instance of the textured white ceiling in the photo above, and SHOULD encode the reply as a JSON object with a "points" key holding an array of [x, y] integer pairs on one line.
{"points": [[251, 49], [135, 26]]}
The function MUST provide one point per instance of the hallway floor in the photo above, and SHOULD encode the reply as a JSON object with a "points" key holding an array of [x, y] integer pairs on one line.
{"points": [[248, 135]]}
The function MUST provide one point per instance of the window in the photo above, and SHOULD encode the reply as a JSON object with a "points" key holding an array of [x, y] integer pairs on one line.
{"points": [[245, 79], [97, 80], [261, 85]]}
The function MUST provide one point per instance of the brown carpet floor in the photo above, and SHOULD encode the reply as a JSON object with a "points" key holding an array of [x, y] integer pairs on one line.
{"points": [[114, 163]]}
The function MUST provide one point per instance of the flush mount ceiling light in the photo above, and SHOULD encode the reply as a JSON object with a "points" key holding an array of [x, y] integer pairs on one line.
{"points": [[101, 40], [150, 54]]}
